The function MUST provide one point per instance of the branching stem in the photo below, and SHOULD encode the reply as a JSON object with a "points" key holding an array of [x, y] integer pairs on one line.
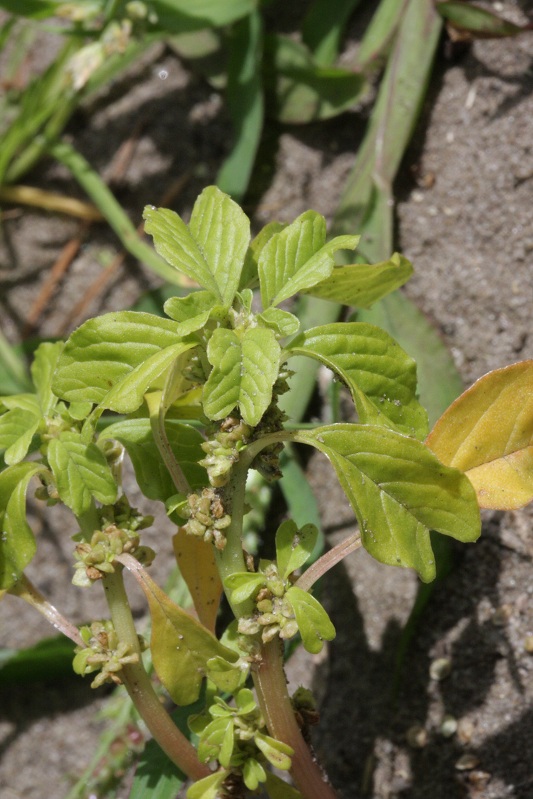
{"points": [[141, 690]]}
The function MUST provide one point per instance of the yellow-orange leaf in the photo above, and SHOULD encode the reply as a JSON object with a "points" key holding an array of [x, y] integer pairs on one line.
{"points": [[196, 561], [488, 433]]}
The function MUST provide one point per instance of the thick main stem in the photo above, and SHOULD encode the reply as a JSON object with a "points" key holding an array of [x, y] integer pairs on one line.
{"points": [[275, 703], [141, 690]]}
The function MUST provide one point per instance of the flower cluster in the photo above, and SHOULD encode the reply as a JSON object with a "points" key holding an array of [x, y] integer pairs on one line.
{"points": [[120, 525], [207, 518], [222, 451], [104, 653], [274, 615]]}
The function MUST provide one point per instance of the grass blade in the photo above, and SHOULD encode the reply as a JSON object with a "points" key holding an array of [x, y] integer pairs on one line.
{"points": [[245, 103], [104, 199]]}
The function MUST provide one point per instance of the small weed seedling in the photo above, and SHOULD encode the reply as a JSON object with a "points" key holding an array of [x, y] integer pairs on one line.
{"points": [[197, 397]]}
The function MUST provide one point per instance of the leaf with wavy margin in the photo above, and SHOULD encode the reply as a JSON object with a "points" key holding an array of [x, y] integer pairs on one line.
{"points": [[81, 472], [245, 367], [399, 491], [363, 284], [104, 351], [380, 375], [17, 543]]}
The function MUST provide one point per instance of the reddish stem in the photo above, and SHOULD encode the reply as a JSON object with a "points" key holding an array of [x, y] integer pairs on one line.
{"points": [[275, 703]]}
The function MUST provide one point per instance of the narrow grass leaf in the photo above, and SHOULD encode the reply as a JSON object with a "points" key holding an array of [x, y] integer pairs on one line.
{"points": [[244, 99], [480, 22], [300, 90], [182, 16], [323, 26]]}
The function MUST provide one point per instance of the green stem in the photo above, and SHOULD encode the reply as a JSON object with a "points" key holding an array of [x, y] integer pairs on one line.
{"points": [[106, 202], [274, 701], [139, 687]]}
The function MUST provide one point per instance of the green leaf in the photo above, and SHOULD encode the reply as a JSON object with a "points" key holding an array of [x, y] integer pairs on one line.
{"points": [[180, 16], [217, 741], [300, 89], [156, 776], [208, 788], [249, 275], [180, 645], [399, 491], [192, 312], [379, 374], [297, 258], [478, 21], [313, 622], [226, 677], [299, 496], [253, 773], [17, 428], [17, 543], [293, 546], [278, 788], [363, 284], [222, 231], [244, 100], [439, 382], [150, 471], [243, 585], [81, 472], [128, 395], [42, 369], [103, 352], [245, 367], [35, 9], [379, 35], [287, 251], [323, 26], [175, 243], [282, 322], [276, 752]]}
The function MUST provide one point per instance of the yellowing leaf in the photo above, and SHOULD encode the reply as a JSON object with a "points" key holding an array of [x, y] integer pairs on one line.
{"points": [[488, 433], [196, 561], [180, 645]]}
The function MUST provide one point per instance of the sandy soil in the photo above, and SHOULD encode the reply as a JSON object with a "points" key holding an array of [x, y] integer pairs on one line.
{"points": [[464, 219]]}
